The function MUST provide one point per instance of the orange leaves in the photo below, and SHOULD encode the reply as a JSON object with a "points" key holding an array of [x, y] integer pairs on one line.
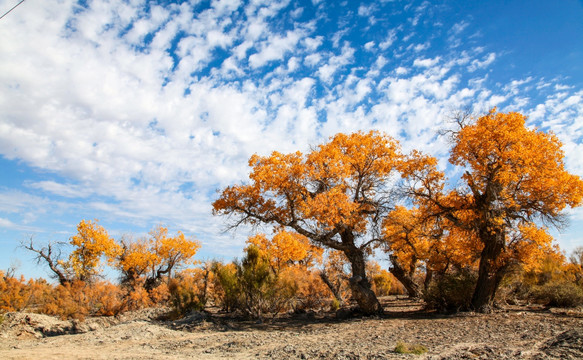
{"points": [[286, 248], [91, 242], [521, 167], [335, 185], [355, 156], [172, 249], [136, 258], [155, 256], [531, 245], [333, 207], [404, 237]]}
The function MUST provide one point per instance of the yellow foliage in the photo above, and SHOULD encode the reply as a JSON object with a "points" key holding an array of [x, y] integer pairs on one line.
{"points": [[156, 255], [310, 290], [91, 243], [286, 248], [337, 183]]}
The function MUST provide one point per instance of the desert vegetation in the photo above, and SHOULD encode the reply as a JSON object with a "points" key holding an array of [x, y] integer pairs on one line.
{"points": [[473, 246]]}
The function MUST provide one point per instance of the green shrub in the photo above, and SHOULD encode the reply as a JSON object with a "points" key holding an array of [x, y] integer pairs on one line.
{"points": [[451, 292], [559, 293], [252, 286], [404, 348], [227, 287], [262, 292]]}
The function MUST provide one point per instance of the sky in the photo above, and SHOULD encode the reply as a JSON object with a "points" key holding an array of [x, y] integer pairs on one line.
{"points": [[136, 112]]}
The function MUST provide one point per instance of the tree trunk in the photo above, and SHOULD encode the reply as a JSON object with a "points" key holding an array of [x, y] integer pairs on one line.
{"points": [[405, 278], [334, 289], [488, 274], [359, 284], [428, 278]]}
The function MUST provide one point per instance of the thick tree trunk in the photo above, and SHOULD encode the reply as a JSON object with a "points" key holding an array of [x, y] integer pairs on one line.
{"points": [[359, 284], [489, 271], [413, 289]]}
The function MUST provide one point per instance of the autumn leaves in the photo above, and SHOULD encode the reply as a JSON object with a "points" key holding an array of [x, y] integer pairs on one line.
{"points": [[358, 193], [343, 195], [144, 260]]}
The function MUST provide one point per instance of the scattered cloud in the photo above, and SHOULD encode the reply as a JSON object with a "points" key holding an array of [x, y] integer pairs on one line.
{"points": [[482, 64]]}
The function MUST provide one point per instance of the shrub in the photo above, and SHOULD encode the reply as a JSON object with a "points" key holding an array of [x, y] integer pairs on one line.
{"points": [[335, 305], [305, 286], [262, 293], [451, 291], [227, 292], [404, 348], [68, 301], [160, 295], [14, 293], [559, 293], [184, 297]]}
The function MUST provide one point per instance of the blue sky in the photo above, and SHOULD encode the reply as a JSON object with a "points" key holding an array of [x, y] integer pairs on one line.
{"points": [[136, 112]]}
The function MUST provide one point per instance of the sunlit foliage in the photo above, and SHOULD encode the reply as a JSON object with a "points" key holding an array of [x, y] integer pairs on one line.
{"points": [[91, 243], [514, 179], [336, 196], [287, 248], [156, 256]]}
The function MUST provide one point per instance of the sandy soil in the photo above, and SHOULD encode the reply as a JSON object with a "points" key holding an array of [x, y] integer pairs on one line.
{"points": [[512, 333]]}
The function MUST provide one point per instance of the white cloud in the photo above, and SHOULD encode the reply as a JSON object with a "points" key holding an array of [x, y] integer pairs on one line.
{"points": [[401, 70], [71, 191], [481, 64], [312, 44], [390, 39], [275, 48], [327, 71], [366, 11], [426, 62]]}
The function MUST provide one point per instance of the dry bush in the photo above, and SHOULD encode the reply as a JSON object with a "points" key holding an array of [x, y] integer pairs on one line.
{"points": [[78, 299], [15, 294], [561, 293], [451, 291], [188, 292], [310, 290], [160, 295], [68, 301], [552, 282]]}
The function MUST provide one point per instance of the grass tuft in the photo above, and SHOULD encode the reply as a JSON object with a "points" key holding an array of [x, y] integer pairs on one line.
{"points": [[404, 348]]}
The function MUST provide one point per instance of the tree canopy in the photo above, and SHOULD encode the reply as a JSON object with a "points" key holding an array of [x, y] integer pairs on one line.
{"points": [[514, 184], [336, 196]]}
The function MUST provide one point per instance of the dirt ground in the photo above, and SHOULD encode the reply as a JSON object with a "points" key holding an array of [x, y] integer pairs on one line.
{"points": [[515, 332]]}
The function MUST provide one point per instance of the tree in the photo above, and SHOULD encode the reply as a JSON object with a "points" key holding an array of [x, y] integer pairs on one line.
{"points": [[513, 185], [335, 275], [416, 240], [52, 256], [406, 244], [156, 256], [336, 196], [91, 243]]}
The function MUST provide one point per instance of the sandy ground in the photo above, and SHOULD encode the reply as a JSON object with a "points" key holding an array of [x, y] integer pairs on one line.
{"points": [[511, 333]]}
